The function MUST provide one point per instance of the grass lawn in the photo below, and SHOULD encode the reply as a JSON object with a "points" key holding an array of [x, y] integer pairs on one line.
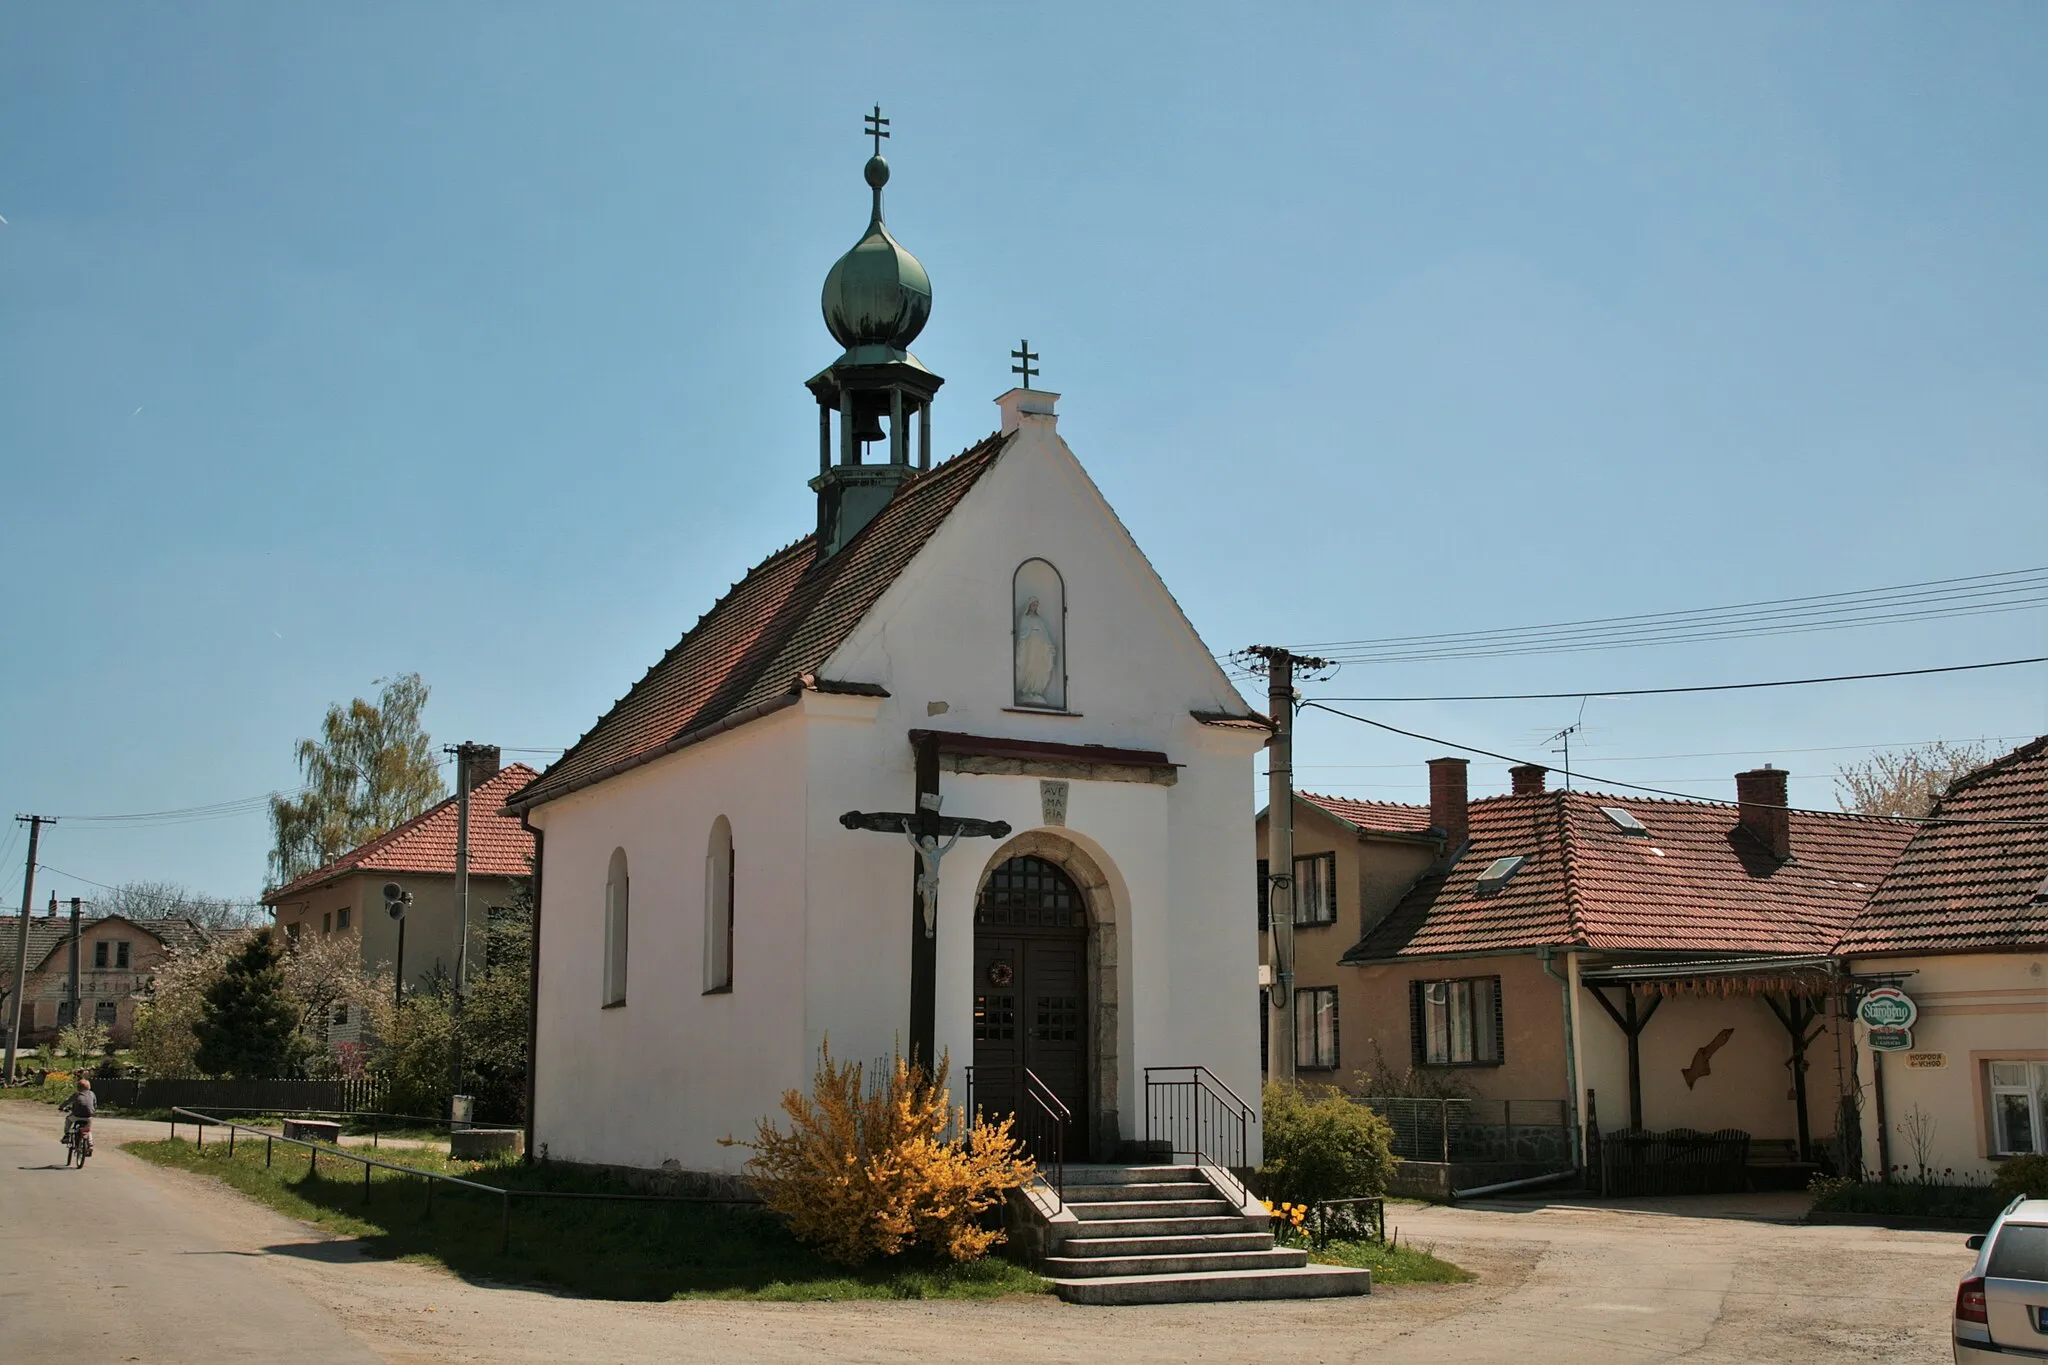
{"points": [[1401, 1264], [642, 1251]]}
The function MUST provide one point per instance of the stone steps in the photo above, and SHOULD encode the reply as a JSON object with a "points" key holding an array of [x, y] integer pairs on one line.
{"points": [[1312, 1282], [1153, 1263], [1166, 1234]]}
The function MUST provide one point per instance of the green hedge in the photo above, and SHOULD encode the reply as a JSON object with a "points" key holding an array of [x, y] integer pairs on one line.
{"points": [[1321, 1144]]}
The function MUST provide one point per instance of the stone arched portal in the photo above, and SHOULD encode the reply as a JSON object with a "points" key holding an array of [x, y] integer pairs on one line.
{"points": [[1103, 1133]]}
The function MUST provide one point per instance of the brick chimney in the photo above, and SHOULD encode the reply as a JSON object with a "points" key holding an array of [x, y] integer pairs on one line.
{"points": [[1528, 778], [1760, 793], [1447, 801], [481, 763]]}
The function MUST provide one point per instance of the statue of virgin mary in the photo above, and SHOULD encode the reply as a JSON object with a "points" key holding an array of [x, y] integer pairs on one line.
{"points": [[1038, 659]]}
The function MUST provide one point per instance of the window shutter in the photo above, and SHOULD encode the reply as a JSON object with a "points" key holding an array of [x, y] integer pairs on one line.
{"points": [[1500, 1036], [1264, 923], [1415, 1022], [1335, 1048]]}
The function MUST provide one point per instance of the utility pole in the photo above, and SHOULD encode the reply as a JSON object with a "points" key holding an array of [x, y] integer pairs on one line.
{"points": [[74, 961], [35, 825], [463, 753], [1280, 665]]}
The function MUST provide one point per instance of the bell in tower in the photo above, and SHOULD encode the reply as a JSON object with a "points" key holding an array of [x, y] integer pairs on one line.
{"points": [[876, 300]]}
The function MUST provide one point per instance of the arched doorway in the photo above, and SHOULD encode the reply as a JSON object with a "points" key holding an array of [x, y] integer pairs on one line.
{"points": [[1031, 996]]}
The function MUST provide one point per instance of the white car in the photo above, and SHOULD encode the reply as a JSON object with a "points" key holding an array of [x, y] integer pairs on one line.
{"points": [[2002, 1305]]}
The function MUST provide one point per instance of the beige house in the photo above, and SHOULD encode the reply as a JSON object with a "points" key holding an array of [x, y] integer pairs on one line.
{"points": [[1960, 928], [116, 959], [1643, 965], [347, 895]]}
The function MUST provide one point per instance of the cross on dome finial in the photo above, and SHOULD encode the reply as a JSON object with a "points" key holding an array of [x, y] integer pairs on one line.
{"points": [[878, 127], [1024, 355]]}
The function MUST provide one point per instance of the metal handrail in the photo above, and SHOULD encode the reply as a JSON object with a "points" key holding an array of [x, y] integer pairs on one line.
{"points": [[505, 1196], [1057, 1116], [1052, 1115], [1203, 1110]]}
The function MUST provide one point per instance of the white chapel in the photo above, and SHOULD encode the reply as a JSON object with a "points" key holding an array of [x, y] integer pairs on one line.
{"points": [[972, 654]]}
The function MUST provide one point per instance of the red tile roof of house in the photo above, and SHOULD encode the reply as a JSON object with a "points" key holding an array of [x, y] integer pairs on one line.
{"points": [[499, 845], [1974, 885], [1697, 882], [1378, 817], [761, 641]]}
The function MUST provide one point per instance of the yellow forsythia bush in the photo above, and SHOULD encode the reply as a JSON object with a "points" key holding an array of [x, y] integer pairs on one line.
{"points": [[863, 1174]]}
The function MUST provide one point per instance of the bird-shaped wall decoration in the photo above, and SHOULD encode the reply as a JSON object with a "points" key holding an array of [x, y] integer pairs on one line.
{"points": [[1703, 1058]]}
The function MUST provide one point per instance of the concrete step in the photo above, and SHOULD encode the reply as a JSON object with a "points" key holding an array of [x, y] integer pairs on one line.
{"points": [[1308, 1282], [1096, 1267], [1167, 1246], [1173, 1227], [1121, 1210], [1134, 1175], [1136, 1193]]}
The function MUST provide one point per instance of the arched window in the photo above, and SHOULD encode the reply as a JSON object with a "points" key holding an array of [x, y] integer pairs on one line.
{"points": [[718, 908], [617, 895], [1038, 636]]}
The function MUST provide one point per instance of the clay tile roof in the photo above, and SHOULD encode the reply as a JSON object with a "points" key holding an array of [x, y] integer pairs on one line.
{"points": [[1976, 885], [45, 933], [757, 643], [178, 935], [1696, 883], [499, 845], [1379, 817]]}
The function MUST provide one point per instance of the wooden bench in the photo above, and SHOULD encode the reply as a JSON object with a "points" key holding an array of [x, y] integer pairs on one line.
{"points": [[313, 1130]]}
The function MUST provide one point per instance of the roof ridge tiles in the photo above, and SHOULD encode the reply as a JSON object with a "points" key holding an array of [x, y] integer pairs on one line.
{"points": [[1574, 897]]}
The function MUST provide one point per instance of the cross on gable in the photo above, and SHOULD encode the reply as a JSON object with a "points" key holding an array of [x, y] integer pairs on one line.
{"points": [[877, 127], [1024, 355]]}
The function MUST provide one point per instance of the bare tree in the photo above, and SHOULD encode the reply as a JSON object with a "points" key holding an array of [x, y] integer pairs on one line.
{"points": [[1906, 781], [169, 900]]}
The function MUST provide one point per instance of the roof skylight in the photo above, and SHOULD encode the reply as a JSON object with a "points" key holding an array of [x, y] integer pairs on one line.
{"points": [[1625, 822], [1499, 871]]}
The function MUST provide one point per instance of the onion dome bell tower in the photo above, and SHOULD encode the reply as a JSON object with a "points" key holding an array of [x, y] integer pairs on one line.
{"points": [[876, 300]]}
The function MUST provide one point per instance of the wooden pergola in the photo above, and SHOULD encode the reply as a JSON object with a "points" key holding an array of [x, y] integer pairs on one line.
{"points": [[1795, 988]]}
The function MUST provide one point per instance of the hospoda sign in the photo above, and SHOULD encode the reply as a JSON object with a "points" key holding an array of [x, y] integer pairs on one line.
{"points": [[1889, 1014]]}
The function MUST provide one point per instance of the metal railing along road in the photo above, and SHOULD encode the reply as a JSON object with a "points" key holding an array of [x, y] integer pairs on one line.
{"points": [[1190, 1111], [315, 1150]]}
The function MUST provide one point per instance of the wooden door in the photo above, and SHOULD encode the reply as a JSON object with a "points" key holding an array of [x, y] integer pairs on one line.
{"points": [[1031, 991]]}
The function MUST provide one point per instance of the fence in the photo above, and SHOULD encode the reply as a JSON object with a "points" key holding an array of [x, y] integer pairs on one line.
{"points": [[1476, 1130], [428, 1179], [1683, 1161], [275, 1096]]}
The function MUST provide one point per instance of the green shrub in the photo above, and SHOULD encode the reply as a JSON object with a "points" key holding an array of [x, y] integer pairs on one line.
{"points": [[1320, 1144], [2022, 1175]]}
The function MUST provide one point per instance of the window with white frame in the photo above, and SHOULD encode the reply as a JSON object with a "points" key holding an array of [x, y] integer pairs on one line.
{"points": [[1315, 889], [718, 908], [2019, 1106], [617, 898], [1456, 1023], [1315, 1028]]}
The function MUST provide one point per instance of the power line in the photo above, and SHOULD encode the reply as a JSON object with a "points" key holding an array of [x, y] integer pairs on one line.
{"points": [[1704, 687], [1981, 594], [1711, 753], [1656, 791]]}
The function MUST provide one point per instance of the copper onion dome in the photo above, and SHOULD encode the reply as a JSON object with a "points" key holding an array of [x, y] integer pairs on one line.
{"points": [[877, 294]]}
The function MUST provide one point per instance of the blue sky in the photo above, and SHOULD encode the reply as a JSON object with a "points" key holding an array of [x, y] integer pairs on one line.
{"points": [[341, 341]]}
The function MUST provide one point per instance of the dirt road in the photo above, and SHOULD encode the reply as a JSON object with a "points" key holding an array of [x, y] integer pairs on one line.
{"points": [[175, 1268]]}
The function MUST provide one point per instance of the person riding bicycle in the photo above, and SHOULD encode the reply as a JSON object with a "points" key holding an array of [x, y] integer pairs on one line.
{"points": [[80, 1106]]}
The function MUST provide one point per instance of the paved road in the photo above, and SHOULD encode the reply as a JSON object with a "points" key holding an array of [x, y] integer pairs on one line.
{"points": [[111, 1263], [170, 1267]]}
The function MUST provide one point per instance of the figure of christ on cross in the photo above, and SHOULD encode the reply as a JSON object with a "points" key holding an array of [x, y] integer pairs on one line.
{"points": [[925, 828]]}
